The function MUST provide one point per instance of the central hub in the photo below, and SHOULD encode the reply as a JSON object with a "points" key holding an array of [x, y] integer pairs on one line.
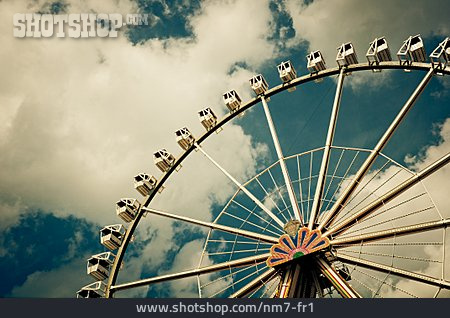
{"points": [[289, 247]]}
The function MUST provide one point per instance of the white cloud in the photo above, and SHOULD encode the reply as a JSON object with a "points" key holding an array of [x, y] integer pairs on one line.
{"points": [[62, 282], [77, 130], [81, 117], [398, 213], [325, 25]]}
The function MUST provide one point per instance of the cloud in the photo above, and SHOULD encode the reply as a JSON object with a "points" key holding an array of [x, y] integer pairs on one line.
{"points": [[81, 118], [412, 207], [325, 25], [48, 284]]}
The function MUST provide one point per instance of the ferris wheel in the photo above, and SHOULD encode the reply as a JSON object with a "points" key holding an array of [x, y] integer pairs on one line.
{"points": [[333, 221]]}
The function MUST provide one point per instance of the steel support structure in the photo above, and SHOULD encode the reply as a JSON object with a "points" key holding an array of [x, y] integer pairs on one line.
{"points": [[255, 283], [245, 106], [326, 152], [383, 234], [342, 200], [287, 179], [392, 270], [194, 272], [366, 211], [215, 226], [242, 188]]}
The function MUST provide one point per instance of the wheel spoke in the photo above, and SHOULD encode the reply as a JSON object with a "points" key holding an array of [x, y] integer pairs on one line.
{"points": [[389, 269], [342, 200], [240, 186], [357, 217], [287, 179], [214, 226], [326, 153], [194, 272], [404, 230], [255, 283]]}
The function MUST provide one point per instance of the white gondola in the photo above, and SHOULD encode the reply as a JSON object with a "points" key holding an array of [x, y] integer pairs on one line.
{"points": [[346, 55], [259, 84], [111, 236], [412, 50], [378, 51], [185, 138], [127, 209], [286, 71], [163, 160], [145, 183], [440, 57], [98, 266], [316, 62], [94, 290], [232, 100], [207, 118]]}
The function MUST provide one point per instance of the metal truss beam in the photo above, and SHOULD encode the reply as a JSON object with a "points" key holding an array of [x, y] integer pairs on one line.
{"points": [[389, 269], [360, 215], [254, 284], [215, 226], [194, 272], [242, 188], [327, 150], [342, 200], [404, 230], [287, 179]]}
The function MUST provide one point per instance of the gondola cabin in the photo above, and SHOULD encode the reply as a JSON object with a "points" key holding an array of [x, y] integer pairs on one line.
{"points": [[163, 160], [98, 266], [346, 55], [111, 236], [144, 183], [184, 138], [316, 62], [440, 56], [259, 84], [127, 209], [94, 290], [412, 50], [232, 100], [286, 71], [378, 51], [207, 118]]}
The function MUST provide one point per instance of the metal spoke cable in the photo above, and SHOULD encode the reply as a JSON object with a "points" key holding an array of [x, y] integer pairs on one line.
{"points": [[370, 194], [239, 251], [306, 217], [392, 219], [345, 176], [389, 284], [302, 208], [370, 180], [338, 246], [411, 258], [392, 207], [268, 195], [245, 221], [233, 284], [281, 195], [224, 277], [334, 173], [237, 242]]}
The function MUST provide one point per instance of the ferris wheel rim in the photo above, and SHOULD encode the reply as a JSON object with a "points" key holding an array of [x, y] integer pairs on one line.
{"points": [[230, 116]]}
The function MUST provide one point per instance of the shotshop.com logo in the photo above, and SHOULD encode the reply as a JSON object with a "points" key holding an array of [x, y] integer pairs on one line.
{"points": [[75, 25]]}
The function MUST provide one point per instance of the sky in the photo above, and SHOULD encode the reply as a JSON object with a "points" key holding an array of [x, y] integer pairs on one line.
{"points": [[80, 117]]}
